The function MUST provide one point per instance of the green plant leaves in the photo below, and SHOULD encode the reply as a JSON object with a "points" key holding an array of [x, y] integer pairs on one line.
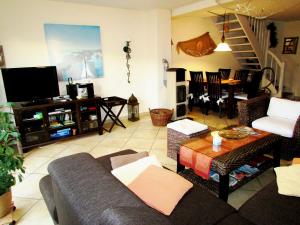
{"points": [[11, 163]]}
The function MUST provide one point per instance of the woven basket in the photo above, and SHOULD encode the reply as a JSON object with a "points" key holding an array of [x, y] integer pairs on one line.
{"points": [[160, 117]]}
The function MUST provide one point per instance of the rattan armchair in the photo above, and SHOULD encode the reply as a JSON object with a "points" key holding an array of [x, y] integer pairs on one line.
{"points": [[255, 108]]}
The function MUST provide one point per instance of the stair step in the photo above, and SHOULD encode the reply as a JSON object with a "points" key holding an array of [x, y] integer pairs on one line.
{"points": [[251, 64], [236, 37], [242, 44], [245, 57], [234, 29], [250, 51], [229, 21]]}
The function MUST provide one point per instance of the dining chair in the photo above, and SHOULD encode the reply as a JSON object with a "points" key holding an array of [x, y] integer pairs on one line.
{"points": [[242, 75], [214, 88], [252, 87], [197, 89], [225, 73]]}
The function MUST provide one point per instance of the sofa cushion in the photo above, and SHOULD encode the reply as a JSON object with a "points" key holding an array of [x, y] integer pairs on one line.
{"points": [[105, 160], [288, 180], [187, 126], [235, 219], [48, 195], [281, 126], [131, 216], [127, 173], [121, 160], [284, 108], [160, 188], [199, 206], [268, 207]]}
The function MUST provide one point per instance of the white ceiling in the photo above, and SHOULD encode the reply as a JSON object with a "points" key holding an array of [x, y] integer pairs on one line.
{"points": [[136, 4]]}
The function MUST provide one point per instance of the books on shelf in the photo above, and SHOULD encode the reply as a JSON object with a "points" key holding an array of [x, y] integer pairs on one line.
{"points": [[236, 175]]}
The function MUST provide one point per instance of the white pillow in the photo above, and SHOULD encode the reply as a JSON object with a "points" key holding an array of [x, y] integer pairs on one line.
{"points": [[127, 173], [288, 180], [284, 108]]}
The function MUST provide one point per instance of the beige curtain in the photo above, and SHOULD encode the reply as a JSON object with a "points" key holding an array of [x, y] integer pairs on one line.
{"points": [[199, 46]]}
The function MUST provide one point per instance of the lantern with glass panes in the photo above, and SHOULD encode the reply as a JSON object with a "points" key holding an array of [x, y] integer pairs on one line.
{"points": [[133, 109]]}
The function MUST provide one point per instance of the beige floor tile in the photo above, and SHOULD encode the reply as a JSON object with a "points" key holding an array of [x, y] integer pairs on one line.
{"points": [[31, 163], [253, 185], [134, 143], [162, 133], [44, 168], [103, 150], [160, 144], [239, 197], [74, 149], [48, 150], [113, 142], [145, 133], [123, 133], [267, 177], [23, 205], [29, 187], [161, 154], [37, 215], [89, 141]]}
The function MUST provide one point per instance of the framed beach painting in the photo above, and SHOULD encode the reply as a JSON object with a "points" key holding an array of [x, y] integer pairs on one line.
{"points": [[75, 50]]}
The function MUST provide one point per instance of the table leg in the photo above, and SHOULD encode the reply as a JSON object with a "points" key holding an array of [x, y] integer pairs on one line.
{"points": [[224, 187], [179, 166]]}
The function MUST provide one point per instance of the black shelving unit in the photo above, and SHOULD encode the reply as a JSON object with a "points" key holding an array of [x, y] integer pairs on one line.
{"points": [[54, 121]]}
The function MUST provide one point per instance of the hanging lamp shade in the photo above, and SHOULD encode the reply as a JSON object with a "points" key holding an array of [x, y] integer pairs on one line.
{"points": [[223, 46]]}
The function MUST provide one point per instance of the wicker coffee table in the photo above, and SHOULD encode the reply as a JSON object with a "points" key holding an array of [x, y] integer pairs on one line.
{"points": [[243, 151]]}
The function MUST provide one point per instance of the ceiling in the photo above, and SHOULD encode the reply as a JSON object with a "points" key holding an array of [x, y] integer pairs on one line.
{"points": [[284, 10], [291, 14], [136, 4]]}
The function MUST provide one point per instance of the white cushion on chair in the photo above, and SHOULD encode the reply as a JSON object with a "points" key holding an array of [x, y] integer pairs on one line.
{"points": [[284, 108], [187, 126], [241, 96], [281, 126]]}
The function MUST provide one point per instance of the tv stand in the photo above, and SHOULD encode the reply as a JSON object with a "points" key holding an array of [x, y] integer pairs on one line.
{"points": [[40, 124], [36, 102]]}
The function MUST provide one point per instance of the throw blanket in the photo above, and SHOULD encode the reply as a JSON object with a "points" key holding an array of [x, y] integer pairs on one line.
{"points": [[203, 45]]}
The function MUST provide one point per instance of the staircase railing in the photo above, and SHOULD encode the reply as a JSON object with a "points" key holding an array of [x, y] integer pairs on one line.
{"points": [[261, 33], [259, 28]]}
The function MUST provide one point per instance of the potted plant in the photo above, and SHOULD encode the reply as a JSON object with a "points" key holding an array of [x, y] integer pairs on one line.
{"points": [[11, 162]]}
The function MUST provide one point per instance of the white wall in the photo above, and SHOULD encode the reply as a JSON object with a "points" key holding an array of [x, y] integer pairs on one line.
{"points": [[22, 37], [188, 27], [292, 61]]}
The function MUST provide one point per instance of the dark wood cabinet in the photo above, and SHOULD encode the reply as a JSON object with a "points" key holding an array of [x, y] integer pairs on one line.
{"points": [[43, 124]]}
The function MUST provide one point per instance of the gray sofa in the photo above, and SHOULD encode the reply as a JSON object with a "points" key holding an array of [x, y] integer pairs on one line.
{"points": [[80, 190]]}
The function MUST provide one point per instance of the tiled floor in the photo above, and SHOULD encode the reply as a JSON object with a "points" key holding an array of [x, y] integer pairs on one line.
{"points": [[140, 136]]}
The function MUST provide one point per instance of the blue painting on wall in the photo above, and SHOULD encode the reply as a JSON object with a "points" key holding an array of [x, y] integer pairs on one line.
{"points": [[75, 50]]}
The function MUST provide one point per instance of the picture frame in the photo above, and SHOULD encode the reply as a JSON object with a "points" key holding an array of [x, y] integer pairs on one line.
{"points": [[290, 45], [2, 59]]}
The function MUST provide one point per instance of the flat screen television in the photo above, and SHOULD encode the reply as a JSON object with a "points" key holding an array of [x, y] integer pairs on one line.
{"points": [[30, 83]]}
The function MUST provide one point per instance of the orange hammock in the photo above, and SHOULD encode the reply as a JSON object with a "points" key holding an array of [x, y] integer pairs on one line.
{"points": [[199, 46]]}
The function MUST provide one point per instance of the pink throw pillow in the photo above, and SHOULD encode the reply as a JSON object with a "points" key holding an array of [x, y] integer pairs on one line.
{"points": [[160, 189]]}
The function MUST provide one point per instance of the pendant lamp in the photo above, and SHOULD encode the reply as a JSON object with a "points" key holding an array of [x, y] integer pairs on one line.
{"points": [[223, 46]]}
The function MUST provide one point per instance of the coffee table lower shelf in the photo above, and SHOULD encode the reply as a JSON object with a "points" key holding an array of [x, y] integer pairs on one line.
{"points": [[213, 186]]}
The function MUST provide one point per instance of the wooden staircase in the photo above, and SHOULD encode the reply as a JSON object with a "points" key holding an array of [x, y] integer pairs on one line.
{"points": [[248, 38]]}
